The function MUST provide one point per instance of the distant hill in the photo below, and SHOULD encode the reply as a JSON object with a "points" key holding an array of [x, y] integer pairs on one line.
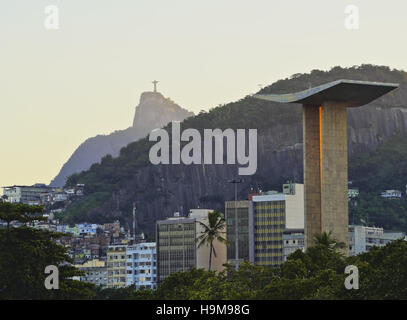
{"points": [[153, 111], [114, 184]]}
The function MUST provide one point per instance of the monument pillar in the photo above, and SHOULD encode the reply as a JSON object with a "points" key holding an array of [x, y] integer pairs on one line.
{"points": [[326, 151], [325, 171], [312, 172], [334, 155]]}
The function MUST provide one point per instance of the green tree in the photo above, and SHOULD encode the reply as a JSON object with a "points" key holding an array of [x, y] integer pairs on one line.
{"points": [[323, 255], [316, 274], [248, 282], [382, 273], [126, 293], [188, 285], [326, 240], [212, 231], [23, 213], [24, 254]]}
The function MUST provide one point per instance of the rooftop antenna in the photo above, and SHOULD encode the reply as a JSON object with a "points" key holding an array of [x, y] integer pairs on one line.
{"points": [[134, 222]]}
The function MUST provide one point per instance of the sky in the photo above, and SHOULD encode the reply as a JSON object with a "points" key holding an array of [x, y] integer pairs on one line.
{"points": [[62, 86]]}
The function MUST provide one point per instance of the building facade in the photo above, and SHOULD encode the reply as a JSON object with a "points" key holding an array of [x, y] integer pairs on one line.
{"points": [[293, 240], [116, 266], [272, 215], [262, 222], [177, 248], [243, 213], [141, 265], [95, 272], [87, 228], [31, 195], [362, 238]]}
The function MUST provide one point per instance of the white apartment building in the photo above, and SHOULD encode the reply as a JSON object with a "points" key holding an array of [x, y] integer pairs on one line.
{"points": [[26, 194], [363, 238], [141, 265], [293, 239]]}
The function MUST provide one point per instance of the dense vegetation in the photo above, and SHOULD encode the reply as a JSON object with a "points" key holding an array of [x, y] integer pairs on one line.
{"points": [[314, 275], [317, 273], [24, 254], [384, 168], [374, 172]]}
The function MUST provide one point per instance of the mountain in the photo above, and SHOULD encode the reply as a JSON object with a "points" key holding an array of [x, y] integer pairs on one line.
{"points": [[160, 190], [154, 111]]}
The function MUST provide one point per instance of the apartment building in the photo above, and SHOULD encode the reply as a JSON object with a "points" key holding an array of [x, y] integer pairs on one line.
{"points": [[363, 238], [116, 266], [95, 272], [141, 265]]}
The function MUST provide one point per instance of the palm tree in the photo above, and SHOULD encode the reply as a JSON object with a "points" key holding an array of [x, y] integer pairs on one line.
{"points": [[212, 231], [326, 240]]}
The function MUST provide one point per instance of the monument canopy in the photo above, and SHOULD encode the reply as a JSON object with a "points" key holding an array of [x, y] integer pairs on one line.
{"points": [[355, 93]]}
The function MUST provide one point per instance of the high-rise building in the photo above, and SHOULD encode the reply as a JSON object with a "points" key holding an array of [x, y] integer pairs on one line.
{"points": [[262, 222], [177, 245], [243, 209], [271, 215], [116, 266], [141, 265]]}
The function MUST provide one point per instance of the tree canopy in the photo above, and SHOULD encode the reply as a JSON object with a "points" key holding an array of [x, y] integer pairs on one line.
{"points": [[24, 254], [316, 274]]}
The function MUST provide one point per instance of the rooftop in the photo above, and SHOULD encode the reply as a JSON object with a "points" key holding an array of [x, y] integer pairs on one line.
{"points": [[356, 93]]}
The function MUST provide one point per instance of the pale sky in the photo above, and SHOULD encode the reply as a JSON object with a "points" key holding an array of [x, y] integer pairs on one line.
{"points": [[60, 87]]}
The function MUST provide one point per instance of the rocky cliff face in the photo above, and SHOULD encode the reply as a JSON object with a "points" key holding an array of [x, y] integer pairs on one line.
{"points": [[154, 111], [164, 189]]}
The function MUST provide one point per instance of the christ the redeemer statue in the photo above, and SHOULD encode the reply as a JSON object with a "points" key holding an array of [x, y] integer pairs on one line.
{"points": [[155, 85]]}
